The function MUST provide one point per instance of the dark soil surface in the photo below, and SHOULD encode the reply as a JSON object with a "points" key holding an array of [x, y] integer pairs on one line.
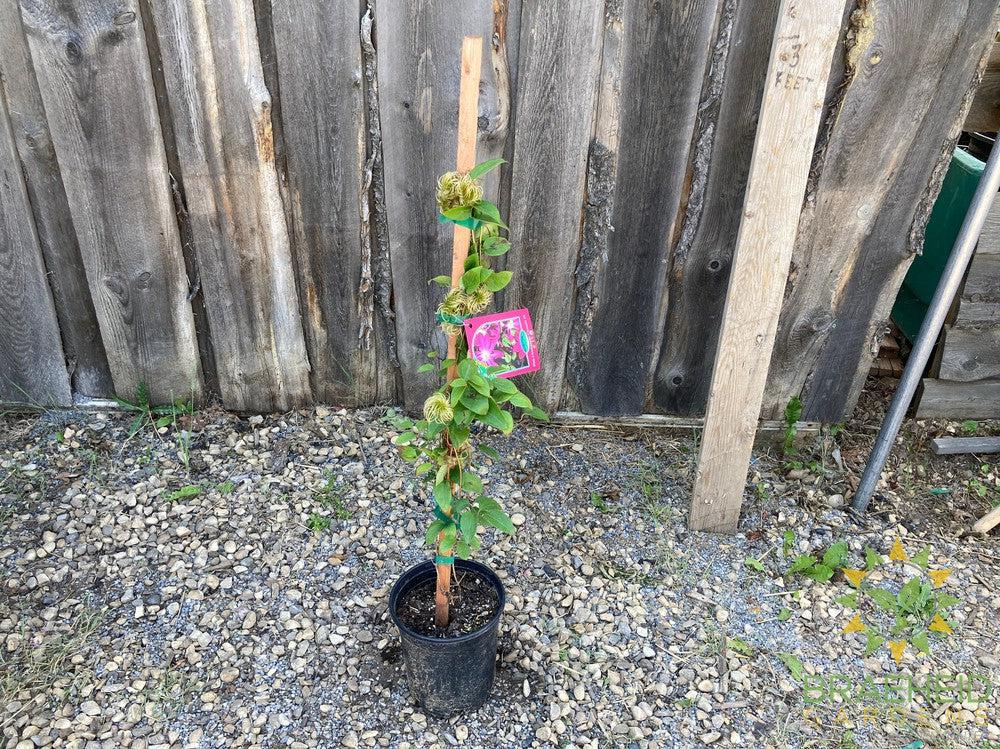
{"points": [[473, 604]]}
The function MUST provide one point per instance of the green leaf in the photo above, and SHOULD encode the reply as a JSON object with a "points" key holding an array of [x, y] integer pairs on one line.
{"points": [[537, 413], [787, 541], [490, 452], [521, 401], [883, 598], [462, 549], [793, 664], [448, 539], [471, 279], [409, 453], [498, 280], [873, 643], [848, 600], [457, 393], [872, 558], [945, 600], [432, 532], [921, 557], [754, 564], [426, 368], [921, 643], [909, 595], [442, 281], [819, 572], [471, 483], [801, 563], [836, 555], [423, 468], [495, 246], [184, 492], [476, 403], [163, 421], [496, 518], [459, 213], [479, 384], [484, 210], [442, 495], [784, 615], [485, 167], [468, 523], [405, 438], [739, 646], [458, 435], [502, 420], [466, 368], [503, 385]]}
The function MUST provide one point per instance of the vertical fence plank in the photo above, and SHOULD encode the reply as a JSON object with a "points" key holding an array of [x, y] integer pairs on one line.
{"points": [[32, 365], [906, 88], [221, 115], [81, 336], [558, 70], [93, 72], [702, 256], [319, 62], [653, 67], [418, 63]]}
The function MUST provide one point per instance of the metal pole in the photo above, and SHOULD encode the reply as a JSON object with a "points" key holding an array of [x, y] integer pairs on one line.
{"points": [[951, 278]]}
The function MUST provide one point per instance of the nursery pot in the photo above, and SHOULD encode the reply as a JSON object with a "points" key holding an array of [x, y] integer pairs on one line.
{"points": [[448, 674]]}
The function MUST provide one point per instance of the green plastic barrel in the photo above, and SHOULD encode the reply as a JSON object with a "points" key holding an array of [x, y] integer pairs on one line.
{"points": [[942, 230]]}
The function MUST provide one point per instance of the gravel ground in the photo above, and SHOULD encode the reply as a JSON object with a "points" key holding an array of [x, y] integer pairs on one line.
{"points": [[136, 612]]}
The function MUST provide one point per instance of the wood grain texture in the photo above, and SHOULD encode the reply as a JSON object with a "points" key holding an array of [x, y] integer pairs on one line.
{"points": [[969, 354], [81, 336], [801, 54], [984, 114], [654, 63], [221, 114], [965, 445], [959, 400], [32, 363], [319, 63], [419, 45], [558, 69], [702, 255], [93, 73], [888, 145]]}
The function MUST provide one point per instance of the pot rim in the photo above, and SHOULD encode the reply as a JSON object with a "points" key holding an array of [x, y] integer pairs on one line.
{"points": [[470, 564]]}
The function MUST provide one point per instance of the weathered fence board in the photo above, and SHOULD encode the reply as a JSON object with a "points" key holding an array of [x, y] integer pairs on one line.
{"points": [[237, 196], [319, 61], [890, 139], [703, 251], [653, 67], [221, 117], [81, 337], [93, 72], [32, 365], [558, 67], [418, 66]]}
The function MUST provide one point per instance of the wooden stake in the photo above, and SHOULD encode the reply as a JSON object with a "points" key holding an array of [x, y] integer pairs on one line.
{"points": [[801, 54], [468, 126]]}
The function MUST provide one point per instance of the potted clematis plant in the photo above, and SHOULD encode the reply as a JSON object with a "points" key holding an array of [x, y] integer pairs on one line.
{"points": [[448, 611]]}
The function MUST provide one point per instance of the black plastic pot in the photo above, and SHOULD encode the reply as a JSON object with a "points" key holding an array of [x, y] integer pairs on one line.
{"points": [[448, 675]]}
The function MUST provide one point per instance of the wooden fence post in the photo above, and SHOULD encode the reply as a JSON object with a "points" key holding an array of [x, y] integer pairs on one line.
{"points": [[801, 53]]}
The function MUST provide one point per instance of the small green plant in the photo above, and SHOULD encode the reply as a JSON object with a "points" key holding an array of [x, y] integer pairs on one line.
{"points": [[598, 501], [185, 492], [331, 496], [318, 523], [148, 415], [793, 412], [226, 487], [969, 427], [441, 444], [820, 569]]}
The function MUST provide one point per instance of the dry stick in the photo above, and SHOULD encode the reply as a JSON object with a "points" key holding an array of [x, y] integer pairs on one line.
{"points": [[468, 118]]}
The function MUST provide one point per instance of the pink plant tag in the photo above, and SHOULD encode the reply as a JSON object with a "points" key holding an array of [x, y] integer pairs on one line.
{"points": [[503, 344]]}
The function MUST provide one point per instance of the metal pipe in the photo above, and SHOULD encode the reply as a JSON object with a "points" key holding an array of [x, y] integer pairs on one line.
{"points": [[951, 279]]}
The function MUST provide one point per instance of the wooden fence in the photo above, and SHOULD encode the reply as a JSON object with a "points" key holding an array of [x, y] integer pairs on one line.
{"points": [[234, 198]]}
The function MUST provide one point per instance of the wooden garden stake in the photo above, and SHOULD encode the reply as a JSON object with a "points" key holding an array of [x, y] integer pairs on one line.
{"points": [[801, 53], [468, 119]]}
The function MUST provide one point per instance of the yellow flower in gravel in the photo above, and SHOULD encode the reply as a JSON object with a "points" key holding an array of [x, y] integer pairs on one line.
{"points": [[855, 576], [855, 625], [898, 553], [897, 647], [938, 576], [938, 624], [437, 409]]}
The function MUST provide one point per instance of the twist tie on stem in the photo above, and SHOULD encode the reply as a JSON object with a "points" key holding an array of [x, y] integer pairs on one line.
{"points": [[438, 559], [440, 515], [468, 223], [450, 319]]}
